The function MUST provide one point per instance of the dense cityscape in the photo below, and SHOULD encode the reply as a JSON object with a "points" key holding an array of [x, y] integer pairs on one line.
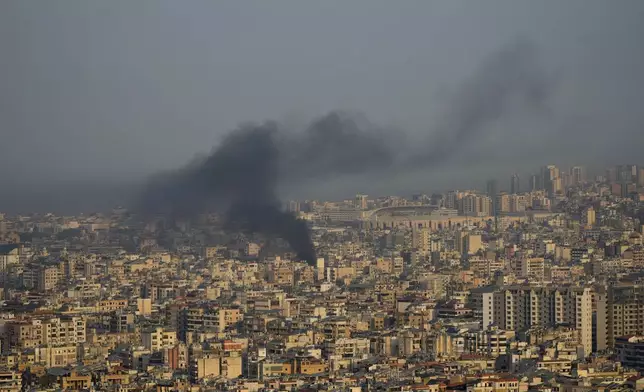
{"points": [[339, 196], [532, 284]]}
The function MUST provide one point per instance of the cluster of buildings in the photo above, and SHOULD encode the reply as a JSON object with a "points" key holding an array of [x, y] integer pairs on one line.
{"points": [[535, 290]]}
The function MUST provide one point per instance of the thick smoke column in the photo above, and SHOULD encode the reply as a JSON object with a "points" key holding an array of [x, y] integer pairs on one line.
{"points": [[336, 144], [238, 178], [241, 175]]}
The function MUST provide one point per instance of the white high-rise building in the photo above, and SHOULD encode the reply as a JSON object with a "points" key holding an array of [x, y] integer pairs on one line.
{"points": [[525, 307]]}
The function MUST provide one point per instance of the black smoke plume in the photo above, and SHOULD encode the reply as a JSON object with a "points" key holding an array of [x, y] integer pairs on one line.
{"points": [[510, 77], [240, 177]]}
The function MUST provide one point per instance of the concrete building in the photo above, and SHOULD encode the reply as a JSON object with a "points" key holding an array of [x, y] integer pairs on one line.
{"points": [[482, 302], [9, 254], [473, 243], [57, 356], [144, 306], [577, 175], [156, 339], [588, 217], [421, 239], [227, 365], [206, 318], [630, 351], [532, 268], [525, 307], [53, 331], [624, 312], [320, 269], [122, 321], [48, 278]]}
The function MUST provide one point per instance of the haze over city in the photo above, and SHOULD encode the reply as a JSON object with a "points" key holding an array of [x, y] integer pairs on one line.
{"points": [[96, 97]]}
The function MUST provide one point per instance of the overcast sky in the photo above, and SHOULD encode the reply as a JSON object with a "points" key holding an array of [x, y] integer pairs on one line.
{"points": [[95, 91]]}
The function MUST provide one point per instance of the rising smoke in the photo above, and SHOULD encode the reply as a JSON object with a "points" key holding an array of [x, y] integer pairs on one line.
{"points": [[240, 177], [511, 77]]}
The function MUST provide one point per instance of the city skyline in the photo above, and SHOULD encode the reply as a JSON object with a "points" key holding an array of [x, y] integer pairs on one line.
{"points": [[126, 195], [341, 196], [143, 110], [550, 281]]}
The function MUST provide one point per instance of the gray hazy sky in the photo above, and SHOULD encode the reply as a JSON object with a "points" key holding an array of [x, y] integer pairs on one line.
{"points": [[115, 90]]}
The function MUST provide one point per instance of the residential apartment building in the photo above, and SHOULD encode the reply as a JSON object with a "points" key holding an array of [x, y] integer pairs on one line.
{"points": [[156, 339], [525, 307], [207, 318], [625, 312], [630, 351], [54, 332]]}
